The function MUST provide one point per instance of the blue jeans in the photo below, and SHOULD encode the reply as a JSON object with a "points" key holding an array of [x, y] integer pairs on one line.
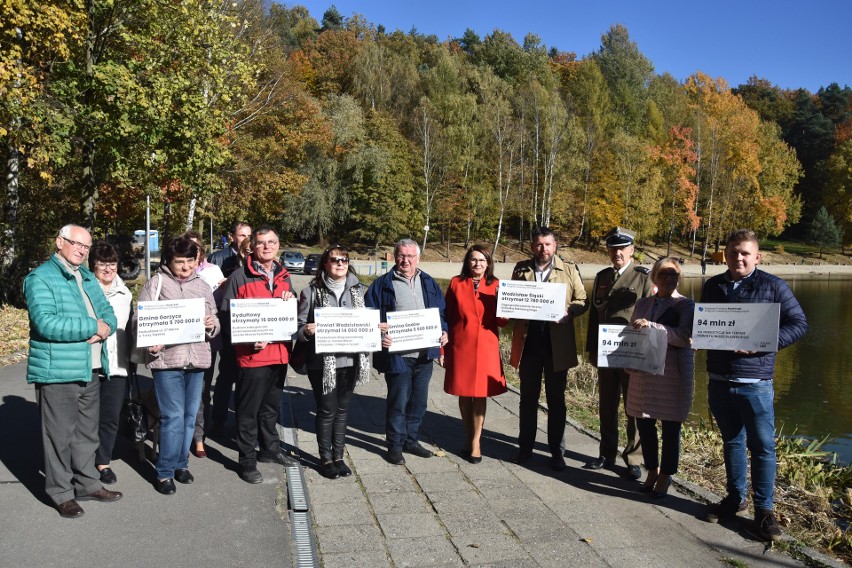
{"points": [[178, 395], [746, 418], [408, 393]]}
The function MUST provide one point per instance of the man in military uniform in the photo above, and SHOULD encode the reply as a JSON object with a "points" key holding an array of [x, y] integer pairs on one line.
{"points": [[614, 294]]}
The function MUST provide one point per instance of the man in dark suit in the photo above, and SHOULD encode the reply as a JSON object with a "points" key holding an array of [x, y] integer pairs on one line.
{"points": [[228, 259], [614, 295]]}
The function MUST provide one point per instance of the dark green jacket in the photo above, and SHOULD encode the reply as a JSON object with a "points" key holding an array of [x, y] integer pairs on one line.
{"points": [[60, 324], [614, 302]]}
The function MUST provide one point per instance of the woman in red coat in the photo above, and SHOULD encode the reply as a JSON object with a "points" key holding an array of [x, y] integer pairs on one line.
{"points": [[472, 356]]}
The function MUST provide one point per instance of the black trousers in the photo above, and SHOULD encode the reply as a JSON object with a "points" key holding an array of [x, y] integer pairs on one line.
{"points": [[332, 409], [650, 450], [537, 361], [225, 380], [259, 396], [612, 390], [113, 393]]}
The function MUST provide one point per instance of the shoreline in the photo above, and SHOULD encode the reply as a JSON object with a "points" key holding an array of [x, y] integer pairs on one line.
{"points": [[588, 270]]}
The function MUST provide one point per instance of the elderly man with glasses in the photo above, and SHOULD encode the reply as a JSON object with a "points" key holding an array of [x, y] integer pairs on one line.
{"points": [[70, 318], [407, 373]]}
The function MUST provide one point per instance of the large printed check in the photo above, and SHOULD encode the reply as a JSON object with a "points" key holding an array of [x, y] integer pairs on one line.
{"points": [[522, 299], [344, 330], [262, 319], [414, 329], [627, 348], [736, 327], [170, 322]]}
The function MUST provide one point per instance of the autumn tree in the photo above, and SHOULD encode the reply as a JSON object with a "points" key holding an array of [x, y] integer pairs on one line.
{"points": [[677, 159]]}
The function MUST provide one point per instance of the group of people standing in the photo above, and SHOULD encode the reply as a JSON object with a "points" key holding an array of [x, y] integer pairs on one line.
{"points": [[81, 320]]}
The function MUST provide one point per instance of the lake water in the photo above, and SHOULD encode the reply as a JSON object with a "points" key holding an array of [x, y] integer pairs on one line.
{"points": [[813, 377]]}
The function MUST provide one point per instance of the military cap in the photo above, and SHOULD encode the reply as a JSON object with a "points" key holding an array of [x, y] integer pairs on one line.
{"points": [[620, 237]]}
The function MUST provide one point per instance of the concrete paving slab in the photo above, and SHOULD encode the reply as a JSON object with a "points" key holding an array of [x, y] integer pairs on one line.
{"points": [[391, 482], [431, 551], [409, 525], [442, 482], [399, 503], [555, 554], [333, 514], [371, 558], [340, 539], [484, 548], [473, 522]]}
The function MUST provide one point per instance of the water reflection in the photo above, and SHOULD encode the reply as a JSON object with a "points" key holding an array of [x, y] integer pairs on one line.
{"points": [[812, 377]]}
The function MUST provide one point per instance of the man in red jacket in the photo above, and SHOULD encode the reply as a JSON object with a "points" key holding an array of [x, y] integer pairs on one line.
{"points": [[262, 365]]}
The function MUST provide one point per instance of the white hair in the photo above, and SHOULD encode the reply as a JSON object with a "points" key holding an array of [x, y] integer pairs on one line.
{"points": [[65, 232], [405, 243]]}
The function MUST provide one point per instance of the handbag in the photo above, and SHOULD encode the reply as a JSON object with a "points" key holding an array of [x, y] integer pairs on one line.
{"points": [[134, 422], [302, 351], [299, 357]]}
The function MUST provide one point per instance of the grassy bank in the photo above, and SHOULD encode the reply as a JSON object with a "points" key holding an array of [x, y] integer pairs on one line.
{"points": [[813, 496], [14, 331]]}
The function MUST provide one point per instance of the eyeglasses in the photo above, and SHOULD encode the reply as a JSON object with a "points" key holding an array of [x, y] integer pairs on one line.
{"points": [[479, 261], [106, 265], [338, 259], [77, 245], [668, 273], [265, 244], [406, 256]]}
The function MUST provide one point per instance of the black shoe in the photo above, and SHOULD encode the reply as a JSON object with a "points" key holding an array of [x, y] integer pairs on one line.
{"points": [[395, 457], [766, 526], [600, 462], [70, 509], [103, 495], [522, 456], [634, 472], [418, 450], [183, 476], [728, 507], [165, 486], [108, 476], [342, 468], [329, 470], [557, 463], [474, 459], [277, 457], [250, 475]]}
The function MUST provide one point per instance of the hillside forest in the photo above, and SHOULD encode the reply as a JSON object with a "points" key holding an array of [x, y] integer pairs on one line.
{"points": [[339, 129]]}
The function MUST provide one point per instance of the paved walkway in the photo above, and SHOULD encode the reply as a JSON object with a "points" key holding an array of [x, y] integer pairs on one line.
{"points": [[440, 511], [444, 511], [219, 520]]}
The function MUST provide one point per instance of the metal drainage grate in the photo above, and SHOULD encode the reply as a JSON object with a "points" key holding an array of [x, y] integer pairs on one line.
{"points": [[306, 551], [296, 492]]}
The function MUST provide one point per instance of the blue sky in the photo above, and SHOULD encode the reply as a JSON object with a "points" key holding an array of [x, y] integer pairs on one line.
{"points": [[792, 44]]}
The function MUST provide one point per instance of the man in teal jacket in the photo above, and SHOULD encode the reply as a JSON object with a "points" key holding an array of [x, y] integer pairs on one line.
{"points": [[70, 318]]}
